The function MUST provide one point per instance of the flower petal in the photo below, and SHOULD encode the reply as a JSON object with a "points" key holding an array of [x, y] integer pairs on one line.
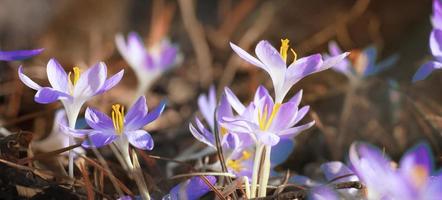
{"points": [[425, 70], [19, 54], [202, 134], [90, 81], [98, 139], [267, 138], [140, 139], [26, 80], [168, 56], [334, 170], [281, 151], [111, 82], [192, 189], [207, 106], [47, 95], [436, 43], [134, 118], [57, 76], [234, 101], [153, 115], [246, 56], [417, 158], [98, 120], [286, 114], [292, 132], [76, 133]]}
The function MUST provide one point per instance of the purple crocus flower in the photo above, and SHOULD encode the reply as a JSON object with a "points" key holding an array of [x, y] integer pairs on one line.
{"points": [[436, 50], [323, 193], [120, 126], [264, 120], [364, 64], [436, 18], [275, 63], [413, 179], [208, 107], [72, 91], [192, 189], [150, 63], [19, 54]]}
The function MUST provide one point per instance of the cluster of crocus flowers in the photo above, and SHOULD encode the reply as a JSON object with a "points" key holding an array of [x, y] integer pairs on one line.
{"points": [[266, 120], [148, 63], [73, 89], [19, 54], [435, 45], [414, 177], [361, 64]]}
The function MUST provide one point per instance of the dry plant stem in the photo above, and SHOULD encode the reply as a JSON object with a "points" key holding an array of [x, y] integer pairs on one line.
{"points": [[345, 116], [256, 168], [138, 175], [198, 39], [106, 167], [252, 34], [264, 172]]}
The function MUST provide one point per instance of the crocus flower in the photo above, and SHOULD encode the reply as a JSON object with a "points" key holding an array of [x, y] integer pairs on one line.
{"points": [[323, 193], [208, 107], [192, 189], [415, 177], [19, 54], [72, 89], [436, 50], [436, 18], [149, 63], [264, 120], [364, 63], [120, 126], [275, 64]]}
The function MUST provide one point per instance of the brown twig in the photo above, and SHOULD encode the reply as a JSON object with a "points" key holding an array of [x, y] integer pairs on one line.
{"points": [[198, 39], [253, 33]]}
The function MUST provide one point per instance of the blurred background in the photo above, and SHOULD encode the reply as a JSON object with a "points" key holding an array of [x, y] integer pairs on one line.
{"points": [[386, 109]]}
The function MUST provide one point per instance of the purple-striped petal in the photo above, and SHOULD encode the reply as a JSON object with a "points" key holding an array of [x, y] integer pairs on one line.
{"points": [[134, 118], [338, 172], [425, 70], [417, 163], [90, 81], [19, 54], [47, 95], [57, 76], [98, 120], [271, 58], [207, 106], [301, 114], [111, 82], [76, 133], [296, 98], [436, 43], [26, 80], [168, 56], [292, 132], [202, 134], [260, 93], [234, 101], [192, 189], [98, 139], [246, 56], [286, 114], [153, 115], [140, 139]]}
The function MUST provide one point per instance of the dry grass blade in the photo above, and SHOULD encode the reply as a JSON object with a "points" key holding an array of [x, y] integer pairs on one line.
{"points": [[48, 154], [203, 174], [30, 116], [213, 188], [87, 183]]}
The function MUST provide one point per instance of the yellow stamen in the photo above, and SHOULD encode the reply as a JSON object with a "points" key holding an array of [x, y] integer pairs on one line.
{"points": [[76, 71], [264, 122], [295, 56], [236, 165], [284, 48], [223, 131], [118, 118]]}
